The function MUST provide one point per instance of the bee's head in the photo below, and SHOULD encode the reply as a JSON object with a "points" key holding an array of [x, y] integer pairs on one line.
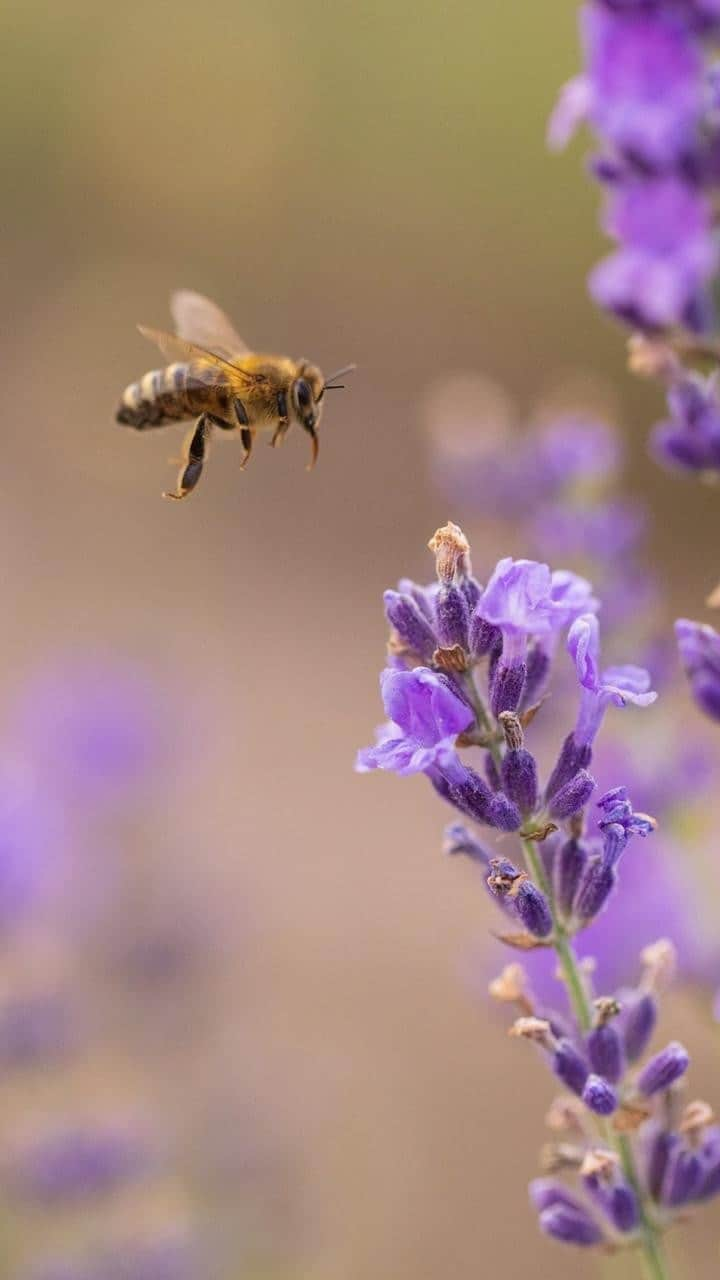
{"points": [[306, 394]]}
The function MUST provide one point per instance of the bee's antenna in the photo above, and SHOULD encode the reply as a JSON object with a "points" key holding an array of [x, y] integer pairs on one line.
{"points": [[331, 385]]}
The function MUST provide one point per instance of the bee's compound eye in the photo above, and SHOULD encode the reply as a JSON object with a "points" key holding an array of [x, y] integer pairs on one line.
{"points": [[303, 393]]}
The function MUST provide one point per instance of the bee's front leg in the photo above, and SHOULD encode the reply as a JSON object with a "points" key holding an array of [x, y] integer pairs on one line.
{"points": [[194, 457], [246, 436], [315, 449]]}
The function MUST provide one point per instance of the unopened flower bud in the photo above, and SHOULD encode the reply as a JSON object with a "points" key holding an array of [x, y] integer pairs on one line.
{"points": [[573, 796], [605, 1051], [570, 1066], [664, 1069], [599, 1096], [638, 1021], [519, 779], [410, 625], [452, 617]]}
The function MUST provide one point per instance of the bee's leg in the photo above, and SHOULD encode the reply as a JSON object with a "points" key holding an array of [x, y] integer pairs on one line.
{"points": [[194, 456], [283, 425], [315, 445], [280, 433], [246, 436]]}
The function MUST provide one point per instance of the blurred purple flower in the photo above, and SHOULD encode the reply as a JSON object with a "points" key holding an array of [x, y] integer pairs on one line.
{"points": [[668, 253], [645, 83], [71, 1162], [39, 1028], [92, 728], [699, 649], [690, 437]]}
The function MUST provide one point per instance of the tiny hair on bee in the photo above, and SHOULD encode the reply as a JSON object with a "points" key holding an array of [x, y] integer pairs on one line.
{"points": [[216, 382]]}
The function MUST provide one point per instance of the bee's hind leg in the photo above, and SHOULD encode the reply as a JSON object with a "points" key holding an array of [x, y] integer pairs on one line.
{"points": [[194, 456]]}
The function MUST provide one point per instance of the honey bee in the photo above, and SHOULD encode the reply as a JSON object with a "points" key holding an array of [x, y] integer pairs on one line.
{"points": [[218, 381]]}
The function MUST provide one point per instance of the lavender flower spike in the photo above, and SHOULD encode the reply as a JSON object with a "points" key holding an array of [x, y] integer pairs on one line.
{"points": [[699, 648], [615, 685], [426, 717]]}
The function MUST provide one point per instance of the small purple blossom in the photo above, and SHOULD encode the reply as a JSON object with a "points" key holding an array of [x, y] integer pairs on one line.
{"points": [[615, 686], [426, 716]]}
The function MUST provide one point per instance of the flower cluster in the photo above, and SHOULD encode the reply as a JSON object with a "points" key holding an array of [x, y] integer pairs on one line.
{"points": [[649, 90], [467, 671]]}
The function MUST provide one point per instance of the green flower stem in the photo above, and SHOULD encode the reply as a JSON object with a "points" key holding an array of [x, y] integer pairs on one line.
{"points": [[652, 1250], [483, 718]]}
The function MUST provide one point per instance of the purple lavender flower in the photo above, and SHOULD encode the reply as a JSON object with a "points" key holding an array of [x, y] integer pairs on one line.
{"points": [[668, 253], [664, 1069], [517, 600], [699, 649], [426, 716], [615, 686], [72, 1161], [556, 883], [690, 437], [644, 84]]}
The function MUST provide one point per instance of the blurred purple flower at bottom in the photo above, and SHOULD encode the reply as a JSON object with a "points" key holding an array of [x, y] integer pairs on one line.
{"points": [[171, 1255], [76, 1161]]}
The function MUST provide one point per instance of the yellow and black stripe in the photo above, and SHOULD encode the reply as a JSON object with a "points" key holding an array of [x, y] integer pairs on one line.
{"points": [[171, 395]]}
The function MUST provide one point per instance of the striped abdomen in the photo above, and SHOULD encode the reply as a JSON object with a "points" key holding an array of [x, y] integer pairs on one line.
{"points": [[172, 394]]}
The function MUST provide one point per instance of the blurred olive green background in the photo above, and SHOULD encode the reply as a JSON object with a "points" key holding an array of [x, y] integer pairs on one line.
{"points": [[351, 181]]}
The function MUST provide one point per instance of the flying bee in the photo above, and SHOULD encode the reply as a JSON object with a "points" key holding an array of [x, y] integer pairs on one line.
{"points": [[218, 381]]}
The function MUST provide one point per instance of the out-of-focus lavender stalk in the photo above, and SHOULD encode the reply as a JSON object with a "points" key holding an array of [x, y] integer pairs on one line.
{"points": [[462, 675], [649, 90]]}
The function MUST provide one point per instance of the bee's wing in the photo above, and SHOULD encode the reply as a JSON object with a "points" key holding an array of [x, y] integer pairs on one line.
{"points": [[201, 321], [176, 348]]}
